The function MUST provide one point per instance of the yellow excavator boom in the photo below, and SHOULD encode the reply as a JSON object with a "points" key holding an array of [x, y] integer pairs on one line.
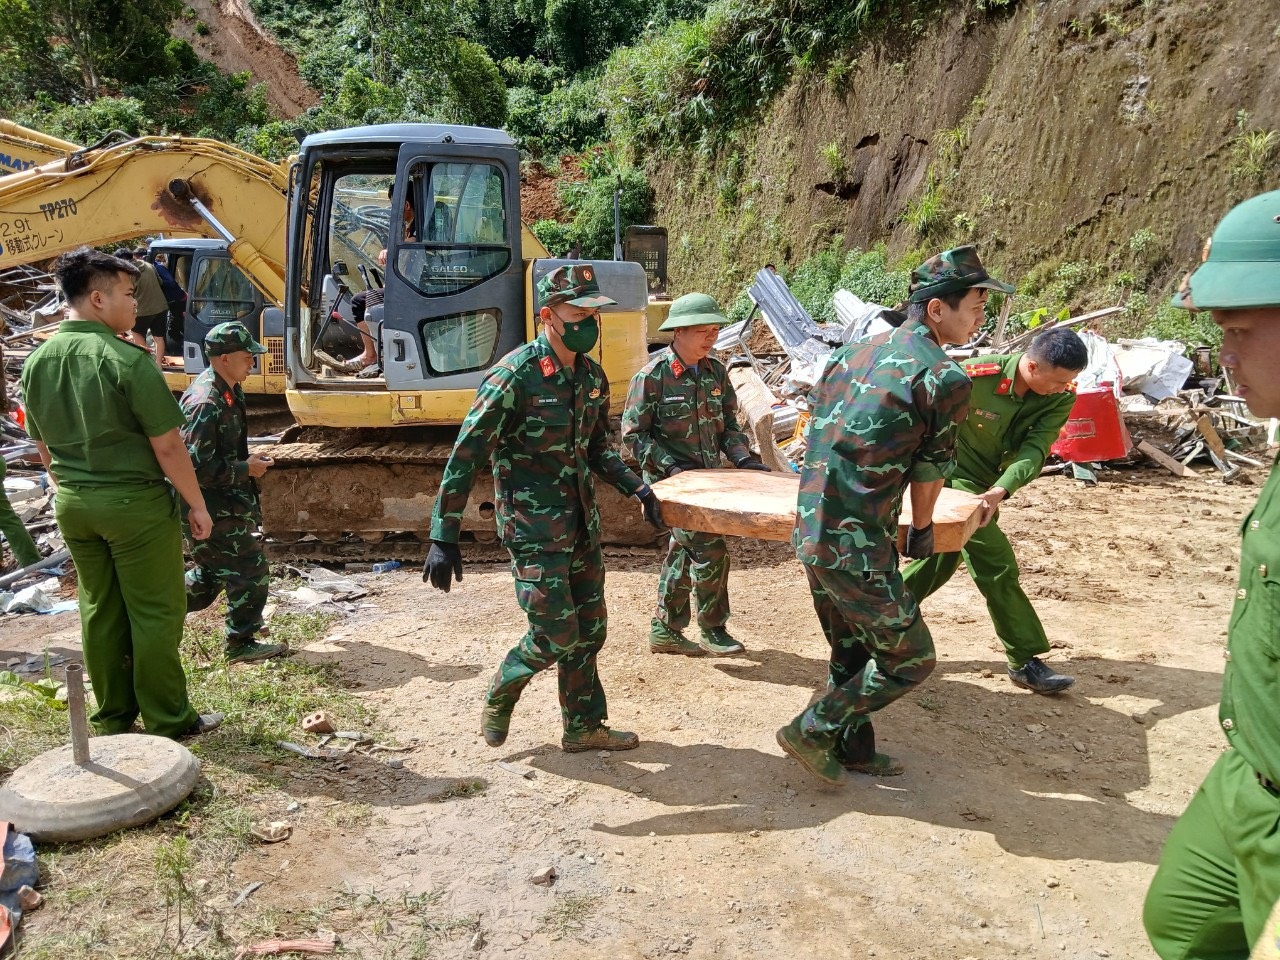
{"points": [[22, 148], [150, 185]]}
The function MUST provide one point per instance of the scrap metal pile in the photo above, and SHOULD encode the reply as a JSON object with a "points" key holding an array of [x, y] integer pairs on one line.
{"points": [[776, 362]]}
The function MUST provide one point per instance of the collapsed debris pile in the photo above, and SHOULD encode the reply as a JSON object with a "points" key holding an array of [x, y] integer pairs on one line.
{"points": [[1178, 409]]}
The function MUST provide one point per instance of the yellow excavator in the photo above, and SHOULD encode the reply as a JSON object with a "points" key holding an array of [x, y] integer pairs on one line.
{"points": [[22, 148], [456, 282]]}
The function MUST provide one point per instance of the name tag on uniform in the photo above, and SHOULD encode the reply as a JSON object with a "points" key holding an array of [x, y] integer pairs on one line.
{"points": [[986, 414], [672, 398], [546, 401]]}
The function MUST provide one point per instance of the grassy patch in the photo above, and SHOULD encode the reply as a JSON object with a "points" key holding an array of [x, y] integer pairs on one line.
{"points": [[166, 889], [569, 915]]}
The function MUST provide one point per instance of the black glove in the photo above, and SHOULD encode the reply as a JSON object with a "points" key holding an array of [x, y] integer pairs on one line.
{"points": [[751, 463], [919, 542], [650, 507], [672, 471], [443, 559]]}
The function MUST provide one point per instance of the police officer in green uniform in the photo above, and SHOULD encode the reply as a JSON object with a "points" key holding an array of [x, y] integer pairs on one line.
{"points": [[542, 415], [217, 437], [1219, 874], [24, 549], [107, 428], [1019, 404], [682, 414], [885, 418]]}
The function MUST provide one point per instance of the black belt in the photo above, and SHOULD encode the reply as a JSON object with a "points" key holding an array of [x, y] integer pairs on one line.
{"points": [[1267, 785]]}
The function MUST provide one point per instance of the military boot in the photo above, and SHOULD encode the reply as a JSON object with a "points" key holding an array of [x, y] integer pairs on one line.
{"points": [[856, 752], [717, 642], [814, 758], [494, 723], [1034, 675], [662, 639], [601, 738], [251, 651]]}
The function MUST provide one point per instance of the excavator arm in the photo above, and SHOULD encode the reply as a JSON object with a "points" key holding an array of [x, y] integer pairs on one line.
{"points": [[22, 148], [178, 186]]}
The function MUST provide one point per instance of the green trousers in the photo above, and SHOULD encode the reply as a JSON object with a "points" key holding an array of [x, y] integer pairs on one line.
{"points": [[126, 542], [880, 649], [1219, 873], [562, 594], [21, 545], [989, 557], [697, 563], [231, 559]]}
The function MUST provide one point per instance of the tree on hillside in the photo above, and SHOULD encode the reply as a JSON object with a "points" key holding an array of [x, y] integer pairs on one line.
{"points": [[80, 49]]}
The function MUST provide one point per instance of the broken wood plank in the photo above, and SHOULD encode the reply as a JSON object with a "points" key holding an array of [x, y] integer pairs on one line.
{"points": [[755, 404], [1166, 461], [750, 503]]}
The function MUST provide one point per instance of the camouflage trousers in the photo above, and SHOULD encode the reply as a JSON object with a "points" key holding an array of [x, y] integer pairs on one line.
{"points": [[562, 594], [231, 559], [880, 649], [698, 562]]}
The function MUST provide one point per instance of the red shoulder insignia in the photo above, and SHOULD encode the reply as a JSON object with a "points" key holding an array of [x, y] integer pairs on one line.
{"points": [[548, 366], [676, 366], [1072, 387], [230, 400], [1005, 386], [981, 369]]}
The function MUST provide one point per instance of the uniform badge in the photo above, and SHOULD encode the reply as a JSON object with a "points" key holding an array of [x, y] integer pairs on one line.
{"points": [[548, 366], [595, 393], [228, 398], [677, 367], [587, 274], [981, 369], [1072, 387], [1005, 386], [715, 391]]}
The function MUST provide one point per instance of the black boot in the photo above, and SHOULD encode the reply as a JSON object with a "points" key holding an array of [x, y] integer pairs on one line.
{"points": [[1034, 675]]}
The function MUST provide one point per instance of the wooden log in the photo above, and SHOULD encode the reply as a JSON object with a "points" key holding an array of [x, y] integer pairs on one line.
{"points": [[755, 405], [1166, 461], [751, 503]]}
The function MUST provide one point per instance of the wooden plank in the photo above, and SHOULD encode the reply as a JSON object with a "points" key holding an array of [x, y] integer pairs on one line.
{"points": [[1166, 461], [751, 503]]}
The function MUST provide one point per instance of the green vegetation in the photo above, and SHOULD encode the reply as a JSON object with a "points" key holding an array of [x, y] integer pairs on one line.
{"points": [[1252, 152]]}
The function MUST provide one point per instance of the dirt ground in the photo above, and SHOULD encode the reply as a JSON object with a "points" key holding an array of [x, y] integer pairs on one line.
{"points": [[1024, 826]]}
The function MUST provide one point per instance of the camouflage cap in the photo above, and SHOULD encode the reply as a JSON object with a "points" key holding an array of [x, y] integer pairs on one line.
{"points": [[574, 284], [1241, 263], [230, 338], [951, 272], [694, 310]]}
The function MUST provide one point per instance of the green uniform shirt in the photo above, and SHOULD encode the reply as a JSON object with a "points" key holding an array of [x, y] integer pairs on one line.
{"points": [[1250, 710], [886, 413], [546, 428], [94, 401], [1005, 439], [217, 437], [676, 416]]}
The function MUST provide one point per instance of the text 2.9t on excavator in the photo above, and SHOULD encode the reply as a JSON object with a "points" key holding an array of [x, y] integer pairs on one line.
{"points": [[457, 287]]}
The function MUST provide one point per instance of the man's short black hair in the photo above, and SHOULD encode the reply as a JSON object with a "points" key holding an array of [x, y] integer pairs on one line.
{"points": [[1060, 348], [916, 311], [140, 253], [82, 271]]}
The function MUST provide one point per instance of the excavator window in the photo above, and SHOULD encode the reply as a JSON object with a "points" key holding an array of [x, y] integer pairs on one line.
{"points": [[465, 238], [462, 342], [220, 292]]}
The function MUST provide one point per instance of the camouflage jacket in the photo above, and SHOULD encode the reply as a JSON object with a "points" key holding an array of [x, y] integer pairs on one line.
{"points": [[546, 429], [1006, 437], [886, 413], [679, 417], [216, 435]]}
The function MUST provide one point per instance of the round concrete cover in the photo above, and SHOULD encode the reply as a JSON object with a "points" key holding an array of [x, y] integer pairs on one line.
{"points": [[130, 779]]}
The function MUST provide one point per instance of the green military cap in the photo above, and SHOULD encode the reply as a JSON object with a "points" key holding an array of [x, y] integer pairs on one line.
{"points": [[1241, 263], [950, 272], [574, 284], [694, 310], [229, 338]]}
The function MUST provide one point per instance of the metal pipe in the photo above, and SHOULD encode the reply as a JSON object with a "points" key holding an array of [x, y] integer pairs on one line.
{"points": [[52, 560], [75, 711]]}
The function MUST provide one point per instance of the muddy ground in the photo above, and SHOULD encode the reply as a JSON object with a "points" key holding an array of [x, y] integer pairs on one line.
{"points": [[1024, 826]]}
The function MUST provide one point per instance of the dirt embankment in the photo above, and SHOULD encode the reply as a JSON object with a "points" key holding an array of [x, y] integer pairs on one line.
{"points": [[1054, 134], [237, 42]]}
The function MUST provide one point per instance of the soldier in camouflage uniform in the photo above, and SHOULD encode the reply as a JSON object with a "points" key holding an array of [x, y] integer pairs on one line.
{"points": [[542, 416], [682, 414], [886, 415], [216, 435]]}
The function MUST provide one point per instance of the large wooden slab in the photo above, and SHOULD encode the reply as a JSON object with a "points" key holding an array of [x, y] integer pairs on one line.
{"points": [[752, 503]]}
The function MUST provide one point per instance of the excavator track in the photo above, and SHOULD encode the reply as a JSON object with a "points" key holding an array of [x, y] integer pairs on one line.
{"points": [[340, 487]]}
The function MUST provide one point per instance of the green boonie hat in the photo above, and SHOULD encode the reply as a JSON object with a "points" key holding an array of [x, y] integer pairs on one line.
{"points": [[574, 284], [950, 272], [1241, 263], [694, 310], [229, 338]]}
